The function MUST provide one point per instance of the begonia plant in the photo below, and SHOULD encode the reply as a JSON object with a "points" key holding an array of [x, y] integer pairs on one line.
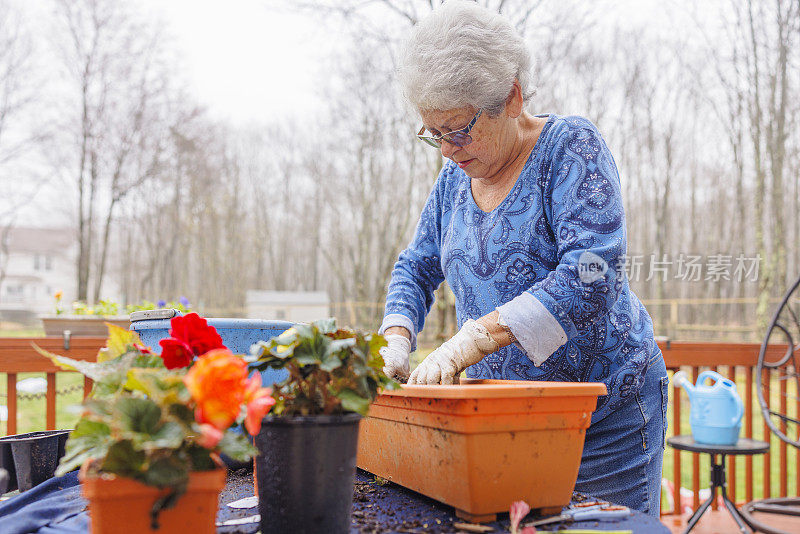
{"points": [[156, 423], [330, 370]]}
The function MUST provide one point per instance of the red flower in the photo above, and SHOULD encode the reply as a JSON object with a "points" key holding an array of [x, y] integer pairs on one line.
{"points": [[195, 332], [175, 353], [143, 348], [190, 336]]}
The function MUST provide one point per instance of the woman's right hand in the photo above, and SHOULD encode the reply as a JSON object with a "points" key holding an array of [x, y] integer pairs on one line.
{"points": [[395, 355]]}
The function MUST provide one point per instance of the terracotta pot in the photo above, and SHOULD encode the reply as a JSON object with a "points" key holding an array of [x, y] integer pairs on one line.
{"points": [[121, 505], [82, 325], [483, 444]]}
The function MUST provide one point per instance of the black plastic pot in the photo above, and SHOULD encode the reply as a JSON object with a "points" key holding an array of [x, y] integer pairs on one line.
{"points": [[3, 481], [305, 469], [7, 463], [35, 456]]}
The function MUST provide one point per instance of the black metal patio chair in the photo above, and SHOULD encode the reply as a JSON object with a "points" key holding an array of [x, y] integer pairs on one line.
{"points": [[783, 331]]}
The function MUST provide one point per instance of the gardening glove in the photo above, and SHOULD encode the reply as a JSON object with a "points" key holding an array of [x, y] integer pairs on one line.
{"points": [[395, 356], [466, 348]]}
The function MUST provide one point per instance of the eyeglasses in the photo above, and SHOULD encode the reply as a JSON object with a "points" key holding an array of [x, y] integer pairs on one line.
{"points": [[458, 138]]}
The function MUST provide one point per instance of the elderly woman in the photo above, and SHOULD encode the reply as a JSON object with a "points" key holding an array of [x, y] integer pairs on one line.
{"points": [[526, 224]]}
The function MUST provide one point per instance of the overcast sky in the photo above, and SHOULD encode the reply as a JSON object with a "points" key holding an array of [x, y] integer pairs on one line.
{"points": [[246, 60]]}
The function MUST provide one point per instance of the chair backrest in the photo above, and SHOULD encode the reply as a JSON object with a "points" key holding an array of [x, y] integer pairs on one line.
{"points": [[784, 331]]}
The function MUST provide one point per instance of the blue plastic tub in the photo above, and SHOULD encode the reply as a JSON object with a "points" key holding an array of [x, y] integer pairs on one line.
{"points": [[237, 334]]}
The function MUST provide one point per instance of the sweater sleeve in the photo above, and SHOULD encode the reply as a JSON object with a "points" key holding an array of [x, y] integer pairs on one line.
{"points": [[583, 202], [418, 271]]}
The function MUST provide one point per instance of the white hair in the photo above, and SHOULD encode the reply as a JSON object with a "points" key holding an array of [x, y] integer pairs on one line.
{"points": [[463, 55]]}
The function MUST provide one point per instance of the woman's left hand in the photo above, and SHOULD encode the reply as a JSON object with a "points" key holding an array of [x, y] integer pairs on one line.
{"points": [[466, 348]]}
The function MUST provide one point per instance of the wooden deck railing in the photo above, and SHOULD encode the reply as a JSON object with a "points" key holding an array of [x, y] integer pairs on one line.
{"points": [[18, 356], [737, 361]]}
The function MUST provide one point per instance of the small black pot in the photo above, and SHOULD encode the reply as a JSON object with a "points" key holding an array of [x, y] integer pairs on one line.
{"points": [[35, 456], [305, 469], [7, 463]]}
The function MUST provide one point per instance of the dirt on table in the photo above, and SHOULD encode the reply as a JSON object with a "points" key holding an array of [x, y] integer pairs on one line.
{"points": [[379, 507], [382, 507], [238, 485]]}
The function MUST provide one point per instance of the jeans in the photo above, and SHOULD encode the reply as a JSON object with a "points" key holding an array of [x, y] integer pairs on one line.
{"points": [[623, 452]]}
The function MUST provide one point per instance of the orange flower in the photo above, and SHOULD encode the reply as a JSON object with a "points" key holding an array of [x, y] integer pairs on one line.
{"points": [[217, 383], [259, 401]]}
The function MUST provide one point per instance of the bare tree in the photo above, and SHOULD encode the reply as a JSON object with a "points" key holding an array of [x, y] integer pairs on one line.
{"points": [[113, 61], [19, 136], [765, 42]]}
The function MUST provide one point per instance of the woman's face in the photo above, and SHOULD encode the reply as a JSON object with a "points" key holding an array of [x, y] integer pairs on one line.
{"points": [[492, 140]]}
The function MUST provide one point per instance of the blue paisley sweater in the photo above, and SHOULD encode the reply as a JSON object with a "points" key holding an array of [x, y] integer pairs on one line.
{"points": [[550, 258]]}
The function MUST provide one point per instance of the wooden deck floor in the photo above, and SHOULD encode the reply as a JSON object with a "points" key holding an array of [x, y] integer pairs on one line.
{"points": [[720, 522]]}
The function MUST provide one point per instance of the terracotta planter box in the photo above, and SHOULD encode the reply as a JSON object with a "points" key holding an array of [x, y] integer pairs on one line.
{"points": [[481, 445], [122, 505], [82, 325]]}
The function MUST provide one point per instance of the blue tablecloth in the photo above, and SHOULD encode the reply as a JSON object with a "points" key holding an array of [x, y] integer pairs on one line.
{"points": [[56, 507]]}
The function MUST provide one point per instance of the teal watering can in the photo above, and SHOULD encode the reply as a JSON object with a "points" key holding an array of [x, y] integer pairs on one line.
{"points": [[716, 410]]}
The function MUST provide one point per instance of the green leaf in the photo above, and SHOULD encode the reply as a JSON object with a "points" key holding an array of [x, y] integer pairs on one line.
{"points": [[169, 436], [167, 471], [96, 410], [390, 383], [306, 358], [118, 343], [137, 415], [158, 383], [91, 369], [353, 402], [287, 337], [90, 439], [375, 342], [90, 429], [303, 331], [144, 381], [181, 412], [237, 446], [106, 389], [200, 458], [330, 363], [336, 346], [147, 361], [326, 325], [71, 462], [123, 459]]}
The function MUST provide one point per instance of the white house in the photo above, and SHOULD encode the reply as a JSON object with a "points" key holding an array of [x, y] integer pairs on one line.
{"points": [[35, 263], [295, 306]]}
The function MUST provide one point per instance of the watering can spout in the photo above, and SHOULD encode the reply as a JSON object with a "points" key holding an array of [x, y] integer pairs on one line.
{"points": [[680, 379]]}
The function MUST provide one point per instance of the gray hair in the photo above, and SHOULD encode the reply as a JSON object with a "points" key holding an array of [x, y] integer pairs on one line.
{"points": [[463, 55]]}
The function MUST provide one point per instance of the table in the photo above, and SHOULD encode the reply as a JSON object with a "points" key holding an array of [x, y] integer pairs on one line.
{"points": [[743, 446], [56, 507], [383, 507]]}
